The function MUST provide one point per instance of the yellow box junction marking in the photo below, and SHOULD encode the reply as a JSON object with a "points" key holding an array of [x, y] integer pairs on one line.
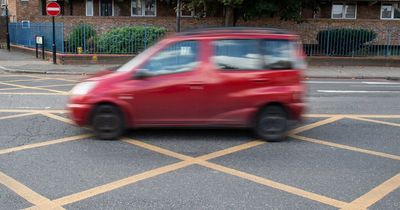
{"points": [[363, 201], [202, 160], [35, 88], [26, 193], [376, 194], [42, 86]]}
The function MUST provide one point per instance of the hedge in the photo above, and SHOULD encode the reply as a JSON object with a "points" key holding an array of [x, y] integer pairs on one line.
{"points": [[129, 39]]}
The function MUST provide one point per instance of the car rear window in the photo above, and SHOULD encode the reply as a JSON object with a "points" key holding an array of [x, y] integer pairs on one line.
{"points": [[254, 54], [279, 54]]}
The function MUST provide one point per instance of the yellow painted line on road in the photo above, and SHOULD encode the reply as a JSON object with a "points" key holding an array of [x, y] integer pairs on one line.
{"points": [[375, 194], [32, 87], [316, 124], [42, 86], [350, 115], [26, 193], [38, 111], [24, 80], [186, 161], [276, 185], [375, 121], [45, 143], [120, 183], [16, 115], [202, 160], [59, 118], [346, 147]]}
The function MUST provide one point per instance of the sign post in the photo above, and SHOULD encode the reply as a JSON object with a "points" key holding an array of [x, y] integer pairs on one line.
{"points": [[53, 9], [39, 40]]}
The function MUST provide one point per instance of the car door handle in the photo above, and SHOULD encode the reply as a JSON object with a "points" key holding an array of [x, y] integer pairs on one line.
{"points": [[260, 80], [196, 86]]}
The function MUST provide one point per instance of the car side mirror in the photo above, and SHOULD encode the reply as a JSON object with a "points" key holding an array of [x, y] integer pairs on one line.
{"points": [[142, 74]]}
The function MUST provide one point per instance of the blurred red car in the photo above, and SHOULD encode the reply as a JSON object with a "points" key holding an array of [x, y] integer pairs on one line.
{"points": [[234, 77]]}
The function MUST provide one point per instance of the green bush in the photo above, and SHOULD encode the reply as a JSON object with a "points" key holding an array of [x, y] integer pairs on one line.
{"points": [[344, 41], [129, 39], [82, 35]]}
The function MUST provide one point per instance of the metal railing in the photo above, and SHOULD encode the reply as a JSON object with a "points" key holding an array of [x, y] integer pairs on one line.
{"points": [[349, 41], [342, 41], [24, 33], [87, 39]]}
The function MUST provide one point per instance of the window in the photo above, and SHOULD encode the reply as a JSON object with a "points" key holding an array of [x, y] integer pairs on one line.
{"points": [[106, 7], [237, 54], [179, 57], [344, 10], [279, 54], [143, 7], [89, 7], [390, 11]]}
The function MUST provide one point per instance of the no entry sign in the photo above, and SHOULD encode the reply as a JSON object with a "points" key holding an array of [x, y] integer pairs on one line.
{"points": [[53, 9]]}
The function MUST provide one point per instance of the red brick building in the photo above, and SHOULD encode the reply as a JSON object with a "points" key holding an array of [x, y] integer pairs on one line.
{"points": [[377, 15], [162, 12]]}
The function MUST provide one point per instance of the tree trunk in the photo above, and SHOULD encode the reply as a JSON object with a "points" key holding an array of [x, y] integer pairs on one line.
{"points": [[229, 16]]}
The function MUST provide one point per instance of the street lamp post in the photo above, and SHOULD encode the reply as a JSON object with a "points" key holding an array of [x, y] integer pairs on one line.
{"points": [[5, 7], [7, 29], [178, 17]]}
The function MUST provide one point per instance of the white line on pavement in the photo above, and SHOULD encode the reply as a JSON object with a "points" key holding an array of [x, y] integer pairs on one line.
{"points": [[332, 82], [357, 91]]}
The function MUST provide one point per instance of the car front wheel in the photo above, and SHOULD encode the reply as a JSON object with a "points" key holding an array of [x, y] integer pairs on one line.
{"points": [[272, 124], [107, 122]]}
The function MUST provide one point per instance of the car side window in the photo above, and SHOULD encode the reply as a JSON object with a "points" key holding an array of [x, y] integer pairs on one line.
{"points": [[237, 54], [178, 57], [278, 54]]}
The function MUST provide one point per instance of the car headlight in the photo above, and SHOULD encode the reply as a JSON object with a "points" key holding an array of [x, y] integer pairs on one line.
{"points": [[83, 88]]}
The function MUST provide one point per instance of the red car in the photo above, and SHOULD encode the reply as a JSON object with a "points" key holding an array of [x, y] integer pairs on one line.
{"points": [[246, 77]]}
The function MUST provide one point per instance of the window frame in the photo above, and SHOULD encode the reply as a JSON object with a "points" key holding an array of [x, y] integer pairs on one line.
{"points": [[198, 58], [86, 8], [343, 10], [143, 9], [113, 8], [260, 50], [392, 13]]}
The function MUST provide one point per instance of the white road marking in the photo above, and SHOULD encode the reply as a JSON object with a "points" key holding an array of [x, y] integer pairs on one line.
{"points": [[357, 91], [381, 83], [378, 86], [332, 82]]}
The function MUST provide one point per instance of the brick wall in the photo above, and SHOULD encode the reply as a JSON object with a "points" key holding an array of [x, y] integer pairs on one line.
{"points": [[2, 29]]}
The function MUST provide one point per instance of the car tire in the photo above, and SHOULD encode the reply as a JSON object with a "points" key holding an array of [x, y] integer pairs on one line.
{"points": [[272, 124], [108, 122]]}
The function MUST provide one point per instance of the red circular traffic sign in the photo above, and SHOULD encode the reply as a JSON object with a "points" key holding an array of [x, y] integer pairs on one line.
{"points": [[53, 9]]}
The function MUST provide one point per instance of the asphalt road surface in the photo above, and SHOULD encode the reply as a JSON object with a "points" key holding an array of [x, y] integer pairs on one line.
{"points": [[346, 155]]}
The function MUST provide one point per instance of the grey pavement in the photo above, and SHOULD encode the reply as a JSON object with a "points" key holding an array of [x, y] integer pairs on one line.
{"points": [[16, 62]]}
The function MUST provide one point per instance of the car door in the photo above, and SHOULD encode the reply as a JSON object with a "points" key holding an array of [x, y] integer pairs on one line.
{"points": [[170, 93], [235, 76]]}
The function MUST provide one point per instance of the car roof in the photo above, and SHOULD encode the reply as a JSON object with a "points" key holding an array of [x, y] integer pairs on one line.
{"points": [[216, 31]]}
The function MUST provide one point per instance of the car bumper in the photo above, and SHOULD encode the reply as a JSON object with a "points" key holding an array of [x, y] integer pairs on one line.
{"points": [[80, 113]]}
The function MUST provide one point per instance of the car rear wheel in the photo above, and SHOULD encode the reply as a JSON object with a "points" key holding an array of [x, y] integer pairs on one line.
{"points": [[107, 122], [272, 124]]}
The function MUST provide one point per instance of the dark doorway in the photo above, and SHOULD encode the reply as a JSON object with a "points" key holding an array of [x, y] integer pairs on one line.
{"points": [[106, 7]]}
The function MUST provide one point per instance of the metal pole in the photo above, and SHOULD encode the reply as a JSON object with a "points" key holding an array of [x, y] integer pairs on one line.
{"points": [[7, 30], [54, 43], [178, 17]]}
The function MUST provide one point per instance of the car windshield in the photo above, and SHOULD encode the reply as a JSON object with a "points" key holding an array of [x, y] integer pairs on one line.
{"points": [[137, 60]]}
